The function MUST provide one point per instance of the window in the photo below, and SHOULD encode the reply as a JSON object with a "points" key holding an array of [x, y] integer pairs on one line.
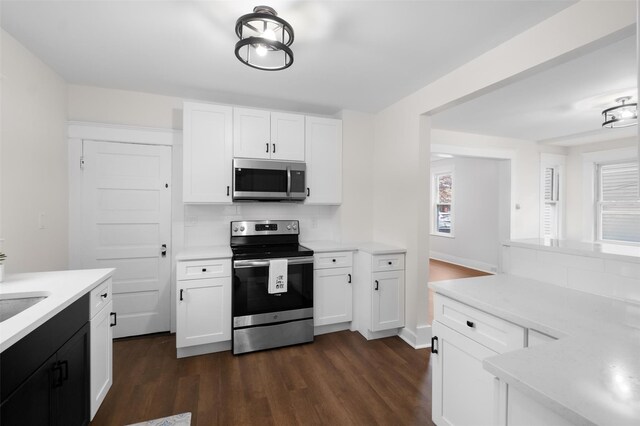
{"points": [[618, 202], [442, 203], [550, 227]]}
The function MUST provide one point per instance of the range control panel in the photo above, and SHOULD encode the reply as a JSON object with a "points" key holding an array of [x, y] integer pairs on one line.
{"points": [[264, 227]]}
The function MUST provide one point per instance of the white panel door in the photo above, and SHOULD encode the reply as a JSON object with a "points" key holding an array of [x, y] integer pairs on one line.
{"points": [[387, 301], [323, 140], [126, 209], [332, 296], [251, 133], [287, 136]]}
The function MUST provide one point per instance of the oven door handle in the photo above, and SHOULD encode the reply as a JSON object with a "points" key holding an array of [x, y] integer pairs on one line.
{"points": [[265, 262]]}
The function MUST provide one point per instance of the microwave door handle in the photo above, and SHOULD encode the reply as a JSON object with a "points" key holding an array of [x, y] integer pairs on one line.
{"points": [[288, 181]]}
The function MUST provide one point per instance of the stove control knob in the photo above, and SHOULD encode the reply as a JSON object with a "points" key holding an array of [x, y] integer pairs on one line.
{"points": [[288, 227], [242, 229], [295, 226], [235, 229]]}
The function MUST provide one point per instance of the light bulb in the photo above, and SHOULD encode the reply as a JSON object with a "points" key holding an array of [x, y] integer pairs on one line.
{"points": [[261, 50], [269, 34], [626, 114]]}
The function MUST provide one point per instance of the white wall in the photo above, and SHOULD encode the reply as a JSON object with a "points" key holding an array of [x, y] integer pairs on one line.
{"points": [[403, 133], [475, 242], [525, 171], [34, 162], [206, 225], [575, 202]]}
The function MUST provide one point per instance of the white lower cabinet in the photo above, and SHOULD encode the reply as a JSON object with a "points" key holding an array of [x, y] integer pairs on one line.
{"points": [[332, 288], [522, 410], [462, 389], [380, 294], [203, 313], [464, 393], [101, 344]]}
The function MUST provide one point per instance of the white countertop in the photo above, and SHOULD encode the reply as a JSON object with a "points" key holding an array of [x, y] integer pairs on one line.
{"points": [[328, 246], [628, 253], [62, 288], [205, 252], [591, 375], [380, 248]]}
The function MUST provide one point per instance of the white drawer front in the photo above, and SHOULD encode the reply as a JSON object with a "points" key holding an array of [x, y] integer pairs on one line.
{"points": [[486, 329], [196, 269], [100, 297], [341, 259], [387, 262]]}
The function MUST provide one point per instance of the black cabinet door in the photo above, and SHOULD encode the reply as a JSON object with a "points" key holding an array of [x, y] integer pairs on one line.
{"points": [[72, 395], [31, 403]]}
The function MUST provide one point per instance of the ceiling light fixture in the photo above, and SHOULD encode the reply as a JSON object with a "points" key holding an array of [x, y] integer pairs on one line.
{"points": [[264, 40], [623, 115]]}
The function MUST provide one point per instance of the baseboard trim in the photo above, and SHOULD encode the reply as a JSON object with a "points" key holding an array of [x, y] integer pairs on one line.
{"points": [[461, 261], [331, 328], [419, 339]]}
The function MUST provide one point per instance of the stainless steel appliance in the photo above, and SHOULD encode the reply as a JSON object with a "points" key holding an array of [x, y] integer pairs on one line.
{"points": [[262, 320], [267, 180]]}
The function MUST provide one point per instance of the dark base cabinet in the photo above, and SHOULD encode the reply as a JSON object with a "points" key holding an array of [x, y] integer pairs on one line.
{"points": [[57, 391]]}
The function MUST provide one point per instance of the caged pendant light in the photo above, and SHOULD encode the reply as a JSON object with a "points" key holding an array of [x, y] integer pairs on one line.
{"points": [[264, 40], [623, 115]]}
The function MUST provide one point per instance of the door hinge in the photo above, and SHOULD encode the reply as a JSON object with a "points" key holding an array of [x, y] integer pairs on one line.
{"points": [[82, 162]]}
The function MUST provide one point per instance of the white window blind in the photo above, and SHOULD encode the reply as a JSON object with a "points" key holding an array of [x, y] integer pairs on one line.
{"points": [[550, 214], [619, 202]]}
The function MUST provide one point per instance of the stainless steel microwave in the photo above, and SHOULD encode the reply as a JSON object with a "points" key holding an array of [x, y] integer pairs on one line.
{"points": [[266, 180]]}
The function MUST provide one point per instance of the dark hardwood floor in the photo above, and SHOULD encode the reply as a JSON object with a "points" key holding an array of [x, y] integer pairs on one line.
{"points": [[340, 379]]}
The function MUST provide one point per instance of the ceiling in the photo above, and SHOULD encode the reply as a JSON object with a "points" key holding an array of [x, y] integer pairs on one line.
{"points": [[561, 105], [360, 55]]}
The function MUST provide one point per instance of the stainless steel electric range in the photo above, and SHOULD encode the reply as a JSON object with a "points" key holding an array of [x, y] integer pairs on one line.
{"points": [[263, 319]]}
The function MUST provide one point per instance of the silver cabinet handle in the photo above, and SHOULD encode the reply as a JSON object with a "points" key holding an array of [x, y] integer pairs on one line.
{"points": [[265, 262]]}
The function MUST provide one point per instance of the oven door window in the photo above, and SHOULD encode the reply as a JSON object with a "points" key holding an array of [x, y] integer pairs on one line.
{"points": [[260, 180], [251, 296]]}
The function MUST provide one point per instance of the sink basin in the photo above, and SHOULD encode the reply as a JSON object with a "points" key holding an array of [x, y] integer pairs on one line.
{"points": [[11, 305]]}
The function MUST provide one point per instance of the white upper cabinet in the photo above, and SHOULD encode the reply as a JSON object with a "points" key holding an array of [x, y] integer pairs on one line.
{"points": [[251, 133], [268, 135], [208, 153], [324, 160]]}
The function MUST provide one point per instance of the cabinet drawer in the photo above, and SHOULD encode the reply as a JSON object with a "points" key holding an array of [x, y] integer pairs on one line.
{"points": [[341, 259], [486, 329], [387, 262], [196, 269], [100, 297]]}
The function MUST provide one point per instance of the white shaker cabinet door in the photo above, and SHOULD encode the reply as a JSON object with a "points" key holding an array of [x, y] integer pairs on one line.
{"points": [[203, 311], [207, 155], [287, 136], [101, 357], [387, 300], [323, 155], [463, 391], [251, 133], [332, 296]]}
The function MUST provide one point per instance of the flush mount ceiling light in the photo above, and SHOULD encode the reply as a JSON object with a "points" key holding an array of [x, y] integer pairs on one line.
{"points": [[623, 115], [264, 40]]}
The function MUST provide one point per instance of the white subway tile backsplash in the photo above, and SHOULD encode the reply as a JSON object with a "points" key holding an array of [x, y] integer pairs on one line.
{"points": [[571, 261], [518, 254], [592, 282], [625, 269], [552, 274]]}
